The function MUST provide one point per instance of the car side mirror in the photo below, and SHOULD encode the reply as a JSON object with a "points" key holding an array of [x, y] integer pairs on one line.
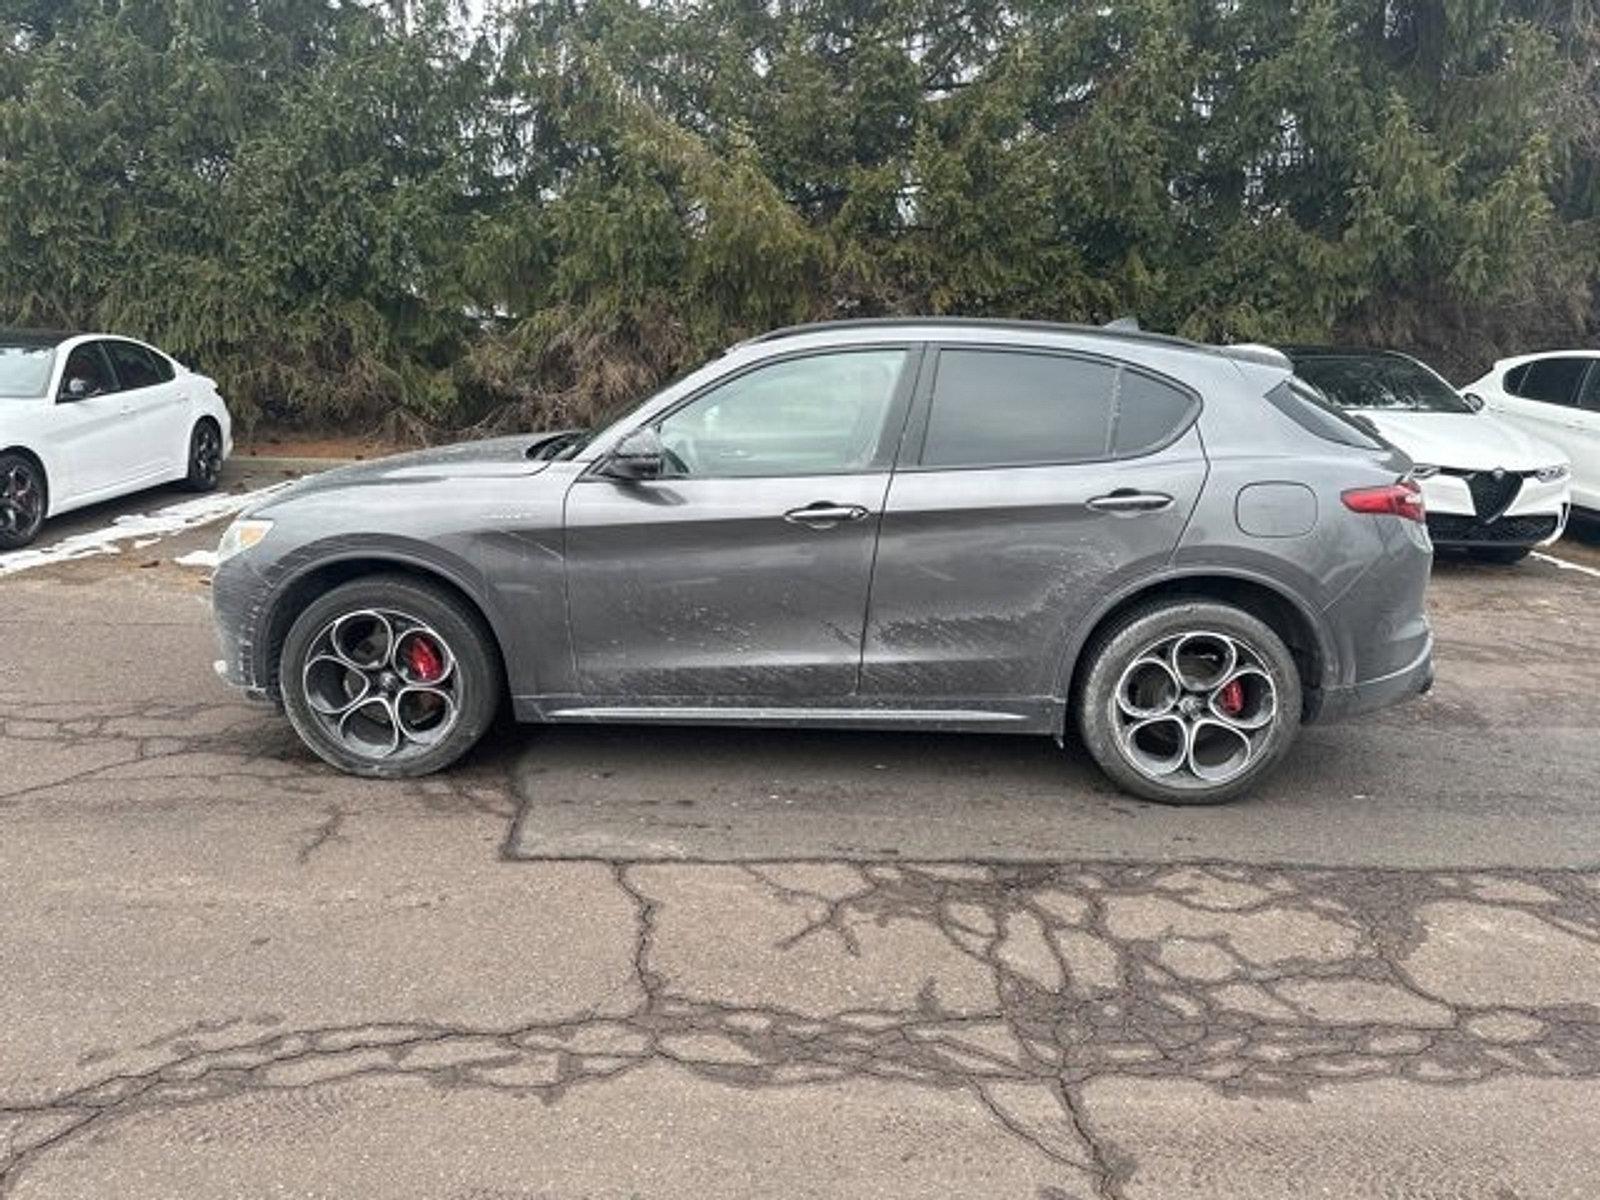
{"points": [[1474, 401], [77, 389], [640, 455]]}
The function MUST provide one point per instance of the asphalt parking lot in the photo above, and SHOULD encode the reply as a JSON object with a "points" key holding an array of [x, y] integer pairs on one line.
{"points": [[651, 962]]}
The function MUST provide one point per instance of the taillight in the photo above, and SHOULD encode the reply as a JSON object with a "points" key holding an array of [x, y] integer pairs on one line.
{"points": [[1403, 499]]}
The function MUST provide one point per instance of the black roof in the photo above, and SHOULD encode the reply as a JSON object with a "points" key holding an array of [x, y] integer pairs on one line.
{"points": [[40, 338]]}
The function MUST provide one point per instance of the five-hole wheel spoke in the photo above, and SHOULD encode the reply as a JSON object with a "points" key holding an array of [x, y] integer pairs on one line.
{"points": [[1199, 705], [382, 683]]}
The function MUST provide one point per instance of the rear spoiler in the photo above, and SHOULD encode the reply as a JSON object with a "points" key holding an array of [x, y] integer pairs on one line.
{"points": [[1258, 353]]}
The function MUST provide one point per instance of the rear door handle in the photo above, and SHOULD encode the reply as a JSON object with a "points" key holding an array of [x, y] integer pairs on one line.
{"points": [[824, 514], [1128, 502]]}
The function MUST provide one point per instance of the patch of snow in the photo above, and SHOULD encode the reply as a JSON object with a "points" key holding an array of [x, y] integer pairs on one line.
{"points": [[197, 558], [142, 529]]}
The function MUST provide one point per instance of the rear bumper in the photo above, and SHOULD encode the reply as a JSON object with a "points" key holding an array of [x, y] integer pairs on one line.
{"points": [[1413, 679]]}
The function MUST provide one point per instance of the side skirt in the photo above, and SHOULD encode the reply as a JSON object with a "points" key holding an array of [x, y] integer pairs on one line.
{"points": [[1042, 716]]}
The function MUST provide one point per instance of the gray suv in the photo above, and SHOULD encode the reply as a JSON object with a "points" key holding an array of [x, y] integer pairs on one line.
{"points": [[1178, 550]]}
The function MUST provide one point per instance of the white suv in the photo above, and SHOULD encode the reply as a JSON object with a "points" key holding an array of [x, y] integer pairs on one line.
{"points": [[1555, 395]]}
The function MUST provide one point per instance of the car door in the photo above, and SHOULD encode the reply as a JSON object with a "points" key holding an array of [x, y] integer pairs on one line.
{"points": [[89, 428], [155, 412], [1034, 483], [1542, 396], [1585, 447], [740, 576]]}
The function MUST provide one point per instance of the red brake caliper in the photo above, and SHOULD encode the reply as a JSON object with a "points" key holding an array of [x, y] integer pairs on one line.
{"points": [[424, 659], [1232, 698]]}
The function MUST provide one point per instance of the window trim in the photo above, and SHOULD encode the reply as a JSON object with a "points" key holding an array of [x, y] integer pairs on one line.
{"points": [[915, 443], [889, 437]]}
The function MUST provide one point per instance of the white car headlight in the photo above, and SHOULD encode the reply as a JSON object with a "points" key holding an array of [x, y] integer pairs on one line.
{"points": [[1552, 474], [241, 535]]}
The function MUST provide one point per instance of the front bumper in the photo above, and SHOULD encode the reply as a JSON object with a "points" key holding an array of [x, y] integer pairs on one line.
{"points": [[1369, 695], [1535, 515], [238, 606]]}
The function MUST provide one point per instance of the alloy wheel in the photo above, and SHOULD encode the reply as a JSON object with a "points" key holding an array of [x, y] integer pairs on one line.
{"points": [[21, 499], [1195, 708], [382, 683], [206, 455]]}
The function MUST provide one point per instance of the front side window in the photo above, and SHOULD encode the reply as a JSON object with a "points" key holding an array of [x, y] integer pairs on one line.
{"points": [[1552, 380], [1385, 383], [1022, 408], [25, 370], [823, 414], [88, 363], [136, 367]]}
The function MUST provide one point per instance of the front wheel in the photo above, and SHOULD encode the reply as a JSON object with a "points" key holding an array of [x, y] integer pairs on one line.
{"points": [[389, 676], [1189, 702], [23, 500]]}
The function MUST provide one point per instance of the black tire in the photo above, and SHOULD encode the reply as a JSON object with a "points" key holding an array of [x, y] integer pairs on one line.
{"points": [[24, 499], [313, 681], [1135, 751], [205, 456], [1504, 556]]}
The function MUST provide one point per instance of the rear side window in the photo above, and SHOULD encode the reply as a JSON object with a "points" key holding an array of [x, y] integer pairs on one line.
{"points": [[1016, 408], [1552, 380], [136, 366], [1315, 413]]}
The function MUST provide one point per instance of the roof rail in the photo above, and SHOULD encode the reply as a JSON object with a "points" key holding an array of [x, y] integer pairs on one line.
{"points": [[1120, 333]]}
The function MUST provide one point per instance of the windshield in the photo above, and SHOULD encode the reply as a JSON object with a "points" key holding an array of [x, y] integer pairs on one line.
{"points": [[24, 370], [1382, 382]]}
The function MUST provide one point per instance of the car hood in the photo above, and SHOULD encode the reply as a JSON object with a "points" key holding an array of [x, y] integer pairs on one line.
{"points": [[1465, 441], [495, 458]]}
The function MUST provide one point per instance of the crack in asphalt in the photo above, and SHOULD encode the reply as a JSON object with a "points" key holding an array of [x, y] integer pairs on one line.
{"points": [[1240, 978], [1266, 981]]}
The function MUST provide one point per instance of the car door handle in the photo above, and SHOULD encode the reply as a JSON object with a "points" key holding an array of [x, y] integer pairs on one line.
{"points": [[824, 514], [1128, 502]]}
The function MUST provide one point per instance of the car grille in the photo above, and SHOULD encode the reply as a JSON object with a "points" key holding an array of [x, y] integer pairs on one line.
{"points": [[1520, 531], [1490, 496]]}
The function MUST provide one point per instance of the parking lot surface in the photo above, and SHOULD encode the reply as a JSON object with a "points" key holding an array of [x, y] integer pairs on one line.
{"points": [[652, 962]]}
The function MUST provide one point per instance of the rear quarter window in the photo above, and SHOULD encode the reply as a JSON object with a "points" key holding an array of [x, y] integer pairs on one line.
{"points": [[1312, 411]]}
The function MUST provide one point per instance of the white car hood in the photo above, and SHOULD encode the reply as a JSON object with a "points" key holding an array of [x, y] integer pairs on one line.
{"points": [[1466, 441]]}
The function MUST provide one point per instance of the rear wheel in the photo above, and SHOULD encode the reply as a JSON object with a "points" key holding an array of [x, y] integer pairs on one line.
{"points": [[1189, 702], [390, 677], [1503, 555], [205, 456], [24, 496]]}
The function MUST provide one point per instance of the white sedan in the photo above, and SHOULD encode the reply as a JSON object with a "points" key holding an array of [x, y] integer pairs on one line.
{"points": [[1490, 488], [1556, 396], [84, 417]]}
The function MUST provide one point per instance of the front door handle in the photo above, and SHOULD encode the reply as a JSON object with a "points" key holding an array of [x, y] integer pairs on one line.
{"points": [[824, 514], [1128, 502]]}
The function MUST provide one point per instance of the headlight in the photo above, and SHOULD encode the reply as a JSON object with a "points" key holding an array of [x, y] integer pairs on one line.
{"points": [[241, 535], [1553, 474]]}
